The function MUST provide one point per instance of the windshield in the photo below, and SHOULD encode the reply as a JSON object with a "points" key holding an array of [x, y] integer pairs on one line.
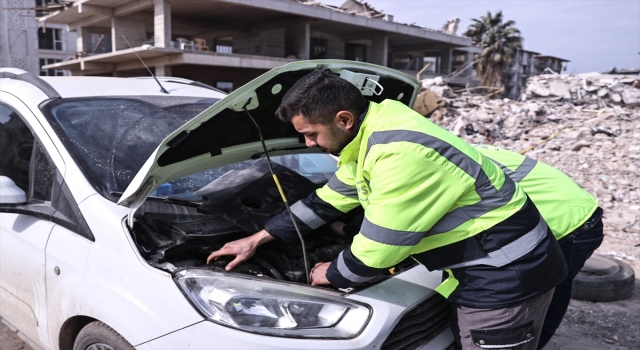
{"points": [[317, 167], [111, 137]]}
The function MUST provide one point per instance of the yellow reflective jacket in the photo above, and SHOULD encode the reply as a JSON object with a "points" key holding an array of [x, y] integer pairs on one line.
{"points": [[563, 204]]}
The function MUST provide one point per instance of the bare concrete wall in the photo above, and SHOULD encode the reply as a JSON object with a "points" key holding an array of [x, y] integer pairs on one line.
{"points": [[18, 36], [263, 43], [134, 30]]}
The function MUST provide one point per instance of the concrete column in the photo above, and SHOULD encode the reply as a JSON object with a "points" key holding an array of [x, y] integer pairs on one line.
{"points": [[5, 54], [445, 61], [162, 23], [379, 51], [298, 40], [163, 71], [81, 39]]}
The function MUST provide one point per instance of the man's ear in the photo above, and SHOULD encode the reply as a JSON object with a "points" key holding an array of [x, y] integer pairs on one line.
{"points": [[346, 119]]}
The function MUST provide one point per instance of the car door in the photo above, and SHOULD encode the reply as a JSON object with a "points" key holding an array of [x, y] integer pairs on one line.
{"points": [[24, 228]]}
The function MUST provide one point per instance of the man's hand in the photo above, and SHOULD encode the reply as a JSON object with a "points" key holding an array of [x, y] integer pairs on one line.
{"points": [[319, 274], [242, 249], [338, 228]]}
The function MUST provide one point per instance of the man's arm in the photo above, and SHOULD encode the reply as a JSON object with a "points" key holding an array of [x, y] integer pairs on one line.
{"points": [[328, 203]]}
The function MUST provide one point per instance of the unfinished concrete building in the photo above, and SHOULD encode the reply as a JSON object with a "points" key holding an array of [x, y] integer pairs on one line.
{"points": [[226, 43]]}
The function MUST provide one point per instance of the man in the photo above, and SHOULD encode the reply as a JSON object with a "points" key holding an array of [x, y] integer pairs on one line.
{"points": [[426, 194], [572, 214]]}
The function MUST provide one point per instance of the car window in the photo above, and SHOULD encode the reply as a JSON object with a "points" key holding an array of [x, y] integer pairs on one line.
{"points": [[317, 167], [42, 174], [16, 144], [110, 138], [24, 159]]}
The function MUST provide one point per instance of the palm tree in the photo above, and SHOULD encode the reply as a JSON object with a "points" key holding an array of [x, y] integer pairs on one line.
{"points": [[500, 42]]}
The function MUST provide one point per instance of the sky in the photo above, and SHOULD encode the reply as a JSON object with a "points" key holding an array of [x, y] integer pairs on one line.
{"points": [[595, 35]]}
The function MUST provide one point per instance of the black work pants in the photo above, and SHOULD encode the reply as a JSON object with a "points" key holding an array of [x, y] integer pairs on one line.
{"points": [[577, 248]]}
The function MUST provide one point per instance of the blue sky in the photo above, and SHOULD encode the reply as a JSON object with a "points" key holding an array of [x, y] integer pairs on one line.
{"points": [[595, 35]]}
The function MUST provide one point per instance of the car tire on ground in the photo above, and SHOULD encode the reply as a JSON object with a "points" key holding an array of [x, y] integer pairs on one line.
{"points": [[98, 336], [603, 279]]}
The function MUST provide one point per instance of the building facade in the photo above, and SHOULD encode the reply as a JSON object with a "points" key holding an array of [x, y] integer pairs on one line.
{"points": [[226, 43]]}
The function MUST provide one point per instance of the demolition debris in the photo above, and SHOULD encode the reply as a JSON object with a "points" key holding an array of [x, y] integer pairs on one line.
{"points": [[587, 125]]}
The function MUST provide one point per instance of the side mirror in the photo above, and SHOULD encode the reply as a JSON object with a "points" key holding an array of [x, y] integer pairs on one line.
{"points": [[10, 193]]}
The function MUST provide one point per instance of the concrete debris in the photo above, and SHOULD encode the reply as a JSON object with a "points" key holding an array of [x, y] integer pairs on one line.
{"points": [[572, 122]]}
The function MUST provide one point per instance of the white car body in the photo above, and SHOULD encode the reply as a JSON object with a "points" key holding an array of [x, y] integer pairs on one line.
{"points": [[54, 280]]}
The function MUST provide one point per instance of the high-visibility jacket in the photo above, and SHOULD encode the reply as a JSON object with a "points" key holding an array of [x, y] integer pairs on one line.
{"points": [[563, 204], [430, 195]]}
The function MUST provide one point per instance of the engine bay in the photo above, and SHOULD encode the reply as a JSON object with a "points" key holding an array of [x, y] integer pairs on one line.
{"points": [[172, 234]]}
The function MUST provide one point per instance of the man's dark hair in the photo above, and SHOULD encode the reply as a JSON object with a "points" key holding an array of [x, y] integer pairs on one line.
{"points": [[319, 96]]}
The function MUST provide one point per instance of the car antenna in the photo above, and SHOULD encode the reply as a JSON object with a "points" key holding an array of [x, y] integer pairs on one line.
{"points": [[284, 198], [145, 66]]}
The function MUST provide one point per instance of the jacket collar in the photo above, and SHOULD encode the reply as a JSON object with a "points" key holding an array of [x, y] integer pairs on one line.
{"points": [[350, 151]]}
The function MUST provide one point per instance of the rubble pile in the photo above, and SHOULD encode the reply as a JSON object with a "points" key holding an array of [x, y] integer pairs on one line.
{"points": [[588, 126]]}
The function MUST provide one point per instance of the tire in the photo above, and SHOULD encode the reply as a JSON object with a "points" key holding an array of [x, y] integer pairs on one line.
{"points": [[98, 336], [603, 279]]}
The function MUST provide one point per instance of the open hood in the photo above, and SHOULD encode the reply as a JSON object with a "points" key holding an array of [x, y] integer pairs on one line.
{"points": [[224, 133]]}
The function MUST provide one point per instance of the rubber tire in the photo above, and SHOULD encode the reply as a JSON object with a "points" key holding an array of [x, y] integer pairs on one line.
{"points": [[98, 332], [603, 279]]}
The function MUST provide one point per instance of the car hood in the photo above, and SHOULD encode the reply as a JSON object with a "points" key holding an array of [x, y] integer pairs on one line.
{"points": [[224, 133]]}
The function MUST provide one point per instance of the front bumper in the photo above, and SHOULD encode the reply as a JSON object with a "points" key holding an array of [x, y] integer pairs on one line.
{"points": [[390, 300]]}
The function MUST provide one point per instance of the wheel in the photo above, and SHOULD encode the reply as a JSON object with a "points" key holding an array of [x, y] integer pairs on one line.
{"points": [[603, 279], [98, 336]]}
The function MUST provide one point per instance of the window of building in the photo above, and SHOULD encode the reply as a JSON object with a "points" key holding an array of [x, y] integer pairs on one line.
{"points": [[50, 39], [50, 72], [224, 45], [355, 52], [225, 86], [318, 49], [98, 43]]}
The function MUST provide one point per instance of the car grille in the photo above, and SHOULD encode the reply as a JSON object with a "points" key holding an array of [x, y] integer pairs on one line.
{"points": [[420, 325]]}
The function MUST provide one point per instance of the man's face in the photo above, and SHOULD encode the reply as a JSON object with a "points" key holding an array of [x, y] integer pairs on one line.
{"points": [[331, 138]]}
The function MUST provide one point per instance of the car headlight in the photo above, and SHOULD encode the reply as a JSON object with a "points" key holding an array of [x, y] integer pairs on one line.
{"points": [[270, 307]]}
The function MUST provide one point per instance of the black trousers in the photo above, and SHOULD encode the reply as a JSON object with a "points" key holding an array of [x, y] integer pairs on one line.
{"points": [[577, 248]]}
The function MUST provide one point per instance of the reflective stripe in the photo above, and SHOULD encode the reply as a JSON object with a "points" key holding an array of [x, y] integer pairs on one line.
{"points": [[521, 172], [487, 204], [348, 274], [338, 186], [512, 251], [388, 236], [490, 197], [306, 215]]}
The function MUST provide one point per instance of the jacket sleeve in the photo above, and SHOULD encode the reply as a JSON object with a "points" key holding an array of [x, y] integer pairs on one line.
{"points": [[325, 205], [409, 193]]}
